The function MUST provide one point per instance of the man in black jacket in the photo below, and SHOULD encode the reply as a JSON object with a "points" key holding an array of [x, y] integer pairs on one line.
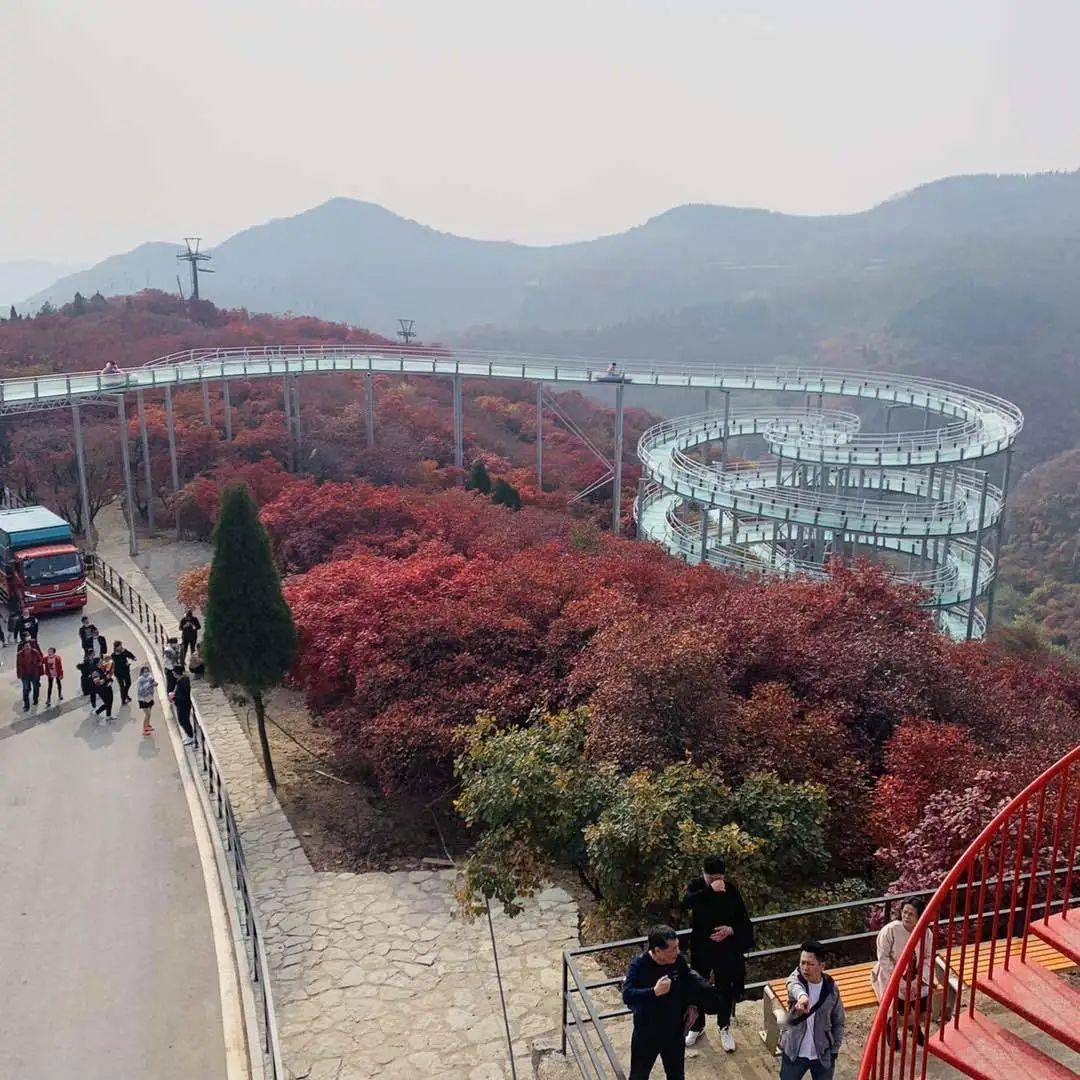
{"points": [[720, 937], [665, 994]]}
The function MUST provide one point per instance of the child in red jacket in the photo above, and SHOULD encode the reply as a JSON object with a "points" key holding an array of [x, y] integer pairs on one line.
{"points": [[54, 671]]}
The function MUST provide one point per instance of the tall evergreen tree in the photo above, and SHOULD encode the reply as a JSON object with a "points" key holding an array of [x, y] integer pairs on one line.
{"points": [[249, 638], [13, 315]]}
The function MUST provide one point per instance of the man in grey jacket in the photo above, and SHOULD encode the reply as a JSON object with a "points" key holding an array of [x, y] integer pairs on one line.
{"points": [[813, 1030]]}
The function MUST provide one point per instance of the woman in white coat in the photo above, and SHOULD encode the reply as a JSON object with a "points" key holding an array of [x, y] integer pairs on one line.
{"points": [[891, 941]]}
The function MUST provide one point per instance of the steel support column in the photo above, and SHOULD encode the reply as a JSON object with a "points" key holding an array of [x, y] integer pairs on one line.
{"points": [[978, 556], [149, 476], [170, 427], [369, 409], [616, 502], [228, 409], [129, 494], [206, 402], [704, 531], [286, 398], [459, 425], [297, 432], [80, 462], [727, 429], [997, 539], [539, 436]]}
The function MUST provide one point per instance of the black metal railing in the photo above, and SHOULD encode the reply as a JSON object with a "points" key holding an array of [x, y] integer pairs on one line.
{"points": [[583, 1015], [113, 583]]}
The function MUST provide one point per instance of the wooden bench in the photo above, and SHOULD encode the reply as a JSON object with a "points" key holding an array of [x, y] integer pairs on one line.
{"points": [[856, 991]]}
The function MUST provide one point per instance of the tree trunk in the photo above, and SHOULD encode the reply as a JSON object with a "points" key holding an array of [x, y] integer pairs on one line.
{"points": [[260, 720]]}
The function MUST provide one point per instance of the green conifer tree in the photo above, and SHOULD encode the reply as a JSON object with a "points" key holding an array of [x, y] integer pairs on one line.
{"points": [[479, 480], [249, 638], [13, 315], [505, 494]]}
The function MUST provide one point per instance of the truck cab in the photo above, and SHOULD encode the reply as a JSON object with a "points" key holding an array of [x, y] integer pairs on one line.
{"points": [[40, 567]]}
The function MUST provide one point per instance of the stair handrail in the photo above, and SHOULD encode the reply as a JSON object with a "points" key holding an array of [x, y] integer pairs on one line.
{"points": [[882, 1059]]}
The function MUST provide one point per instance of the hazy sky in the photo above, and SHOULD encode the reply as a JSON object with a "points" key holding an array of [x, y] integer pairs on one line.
{"points": [[129, 120]]}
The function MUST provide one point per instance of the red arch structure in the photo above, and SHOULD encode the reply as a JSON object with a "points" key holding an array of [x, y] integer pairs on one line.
{"points": [[1002, 922]]}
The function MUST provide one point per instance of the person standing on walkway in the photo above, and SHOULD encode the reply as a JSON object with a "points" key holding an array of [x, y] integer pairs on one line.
{"points": [[189, 633], [665, 994], [102, 679], [813, 1031], [86, 633], [121, 662], [54, 672], [86, 673], [181, 699], [720, 937], [27, 624], [145, 686], [29, 665], [98, 644]]}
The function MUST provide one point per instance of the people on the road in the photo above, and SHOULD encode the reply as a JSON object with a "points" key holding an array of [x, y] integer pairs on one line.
{"points": [[720, 937], [111, 368], [189, 633], [665, 995], [145, 686], [181, 699], [29, 665], [86, 632], [86, 676], [813, 1031], [891, 940], [170, 656], [196, 665], [27, 623], [98, 644], [54, 672], [121, 664], [102, 679]]}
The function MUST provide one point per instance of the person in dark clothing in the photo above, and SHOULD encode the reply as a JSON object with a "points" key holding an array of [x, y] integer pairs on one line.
{"points": [[86, 676], [102, 680], [97, 643], [29, 666], [720, 937], [121, 661], [86, 633], [26, 624], [181, 699], [665, 995], [189, 633]]}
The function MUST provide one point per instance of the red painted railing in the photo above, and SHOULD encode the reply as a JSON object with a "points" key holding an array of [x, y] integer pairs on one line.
{"points": [[1018, 872]]}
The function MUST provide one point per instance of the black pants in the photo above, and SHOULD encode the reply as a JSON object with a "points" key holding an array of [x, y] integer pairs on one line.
{"points": [[106, 695], [123, 681], [183, 715], [30, 682], [186, 645], [645, 1048], [729, 978], [59, 690]]}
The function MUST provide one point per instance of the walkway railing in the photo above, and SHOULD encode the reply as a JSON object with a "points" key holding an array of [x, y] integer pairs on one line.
{"points": [[584, 1015], [113, 583], [980, 919]]}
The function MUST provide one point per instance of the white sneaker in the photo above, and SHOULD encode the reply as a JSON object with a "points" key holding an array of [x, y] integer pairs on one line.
{"points": [[727, 1040], [692, 1037], [188, 740]]}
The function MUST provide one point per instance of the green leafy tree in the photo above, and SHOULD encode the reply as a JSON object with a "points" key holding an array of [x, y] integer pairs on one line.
{"points": [[78, 304], [249, 639], [635, 839], [478, 479]]}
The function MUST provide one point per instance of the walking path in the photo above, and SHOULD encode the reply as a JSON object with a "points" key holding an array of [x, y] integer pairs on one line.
{"points": [[107, 959], [374, 974]]}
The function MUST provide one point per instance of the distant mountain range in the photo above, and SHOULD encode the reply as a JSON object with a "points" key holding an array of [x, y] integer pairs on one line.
{"points": [[361, 263], [20, 277]]}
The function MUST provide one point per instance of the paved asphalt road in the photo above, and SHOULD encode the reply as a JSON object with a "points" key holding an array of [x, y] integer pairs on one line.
{"points": [[107, 964]]}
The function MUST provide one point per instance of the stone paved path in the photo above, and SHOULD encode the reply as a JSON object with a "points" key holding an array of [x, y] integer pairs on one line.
{"points": [[373, 974]]}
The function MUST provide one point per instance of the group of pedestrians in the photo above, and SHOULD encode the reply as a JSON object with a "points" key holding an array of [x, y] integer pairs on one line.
{"points": [[31, 664], [669, 995], [103, 671]]}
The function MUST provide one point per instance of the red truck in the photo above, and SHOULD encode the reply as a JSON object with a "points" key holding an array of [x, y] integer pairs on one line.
{"points": [[40, 567]]}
